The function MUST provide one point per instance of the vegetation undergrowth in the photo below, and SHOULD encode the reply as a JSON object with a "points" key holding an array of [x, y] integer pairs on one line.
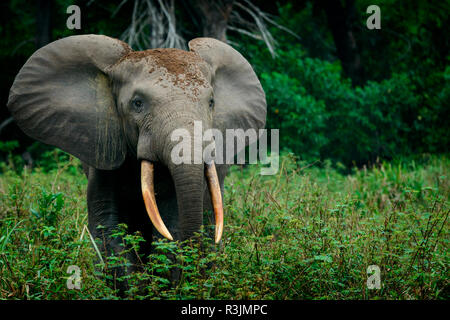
{"points": [[308, 232]]}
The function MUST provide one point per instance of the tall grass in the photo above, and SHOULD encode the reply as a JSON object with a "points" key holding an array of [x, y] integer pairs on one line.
{"points": [[308, 232]]}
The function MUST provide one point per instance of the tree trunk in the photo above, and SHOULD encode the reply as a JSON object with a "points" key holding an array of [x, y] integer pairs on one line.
{"points": [[43, 22], [214, 16], [341, 17]]}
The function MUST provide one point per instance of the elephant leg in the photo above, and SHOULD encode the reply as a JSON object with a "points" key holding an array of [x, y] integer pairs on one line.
{"points": [[168, 209], [209, 218], [104, 216], [85, 167]]}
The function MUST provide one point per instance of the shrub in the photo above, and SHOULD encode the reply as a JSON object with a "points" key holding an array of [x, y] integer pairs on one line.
{"points": [[320, 114], [305, 233]]}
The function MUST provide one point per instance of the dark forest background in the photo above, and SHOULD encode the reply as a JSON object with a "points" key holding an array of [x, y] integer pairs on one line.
{"points": [[335, 89], [363, 178]]}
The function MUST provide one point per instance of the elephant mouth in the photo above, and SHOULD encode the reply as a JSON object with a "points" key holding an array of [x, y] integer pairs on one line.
{"points": [[148, 193]]}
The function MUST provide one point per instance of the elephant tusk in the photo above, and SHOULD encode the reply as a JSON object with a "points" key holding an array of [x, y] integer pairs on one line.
{"points": [[148, 193], [216, 198]]}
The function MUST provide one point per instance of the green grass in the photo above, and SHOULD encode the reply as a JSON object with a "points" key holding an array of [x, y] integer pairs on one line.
{"points": [[308, 232]]}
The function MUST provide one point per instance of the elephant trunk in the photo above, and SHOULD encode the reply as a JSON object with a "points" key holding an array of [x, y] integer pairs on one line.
{"points": [[189, 181]]}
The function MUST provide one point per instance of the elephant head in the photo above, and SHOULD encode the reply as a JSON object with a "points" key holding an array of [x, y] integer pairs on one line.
{"points": [[95, 98]]}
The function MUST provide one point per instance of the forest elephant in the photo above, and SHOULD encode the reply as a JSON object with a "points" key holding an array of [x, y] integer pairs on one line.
{"points": [[116, 109]]}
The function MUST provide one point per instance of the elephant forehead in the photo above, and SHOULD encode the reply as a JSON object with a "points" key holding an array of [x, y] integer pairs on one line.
{"points": [[183, 68]]}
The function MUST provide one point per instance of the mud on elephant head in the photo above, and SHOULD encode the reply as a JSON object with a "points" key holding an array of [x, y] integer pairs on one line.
{"points": [[94, 97]]}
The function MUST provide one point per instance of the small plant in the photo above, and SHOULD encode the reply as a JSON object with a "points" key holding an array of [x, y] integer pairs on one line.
{"points": [[49, 207]]}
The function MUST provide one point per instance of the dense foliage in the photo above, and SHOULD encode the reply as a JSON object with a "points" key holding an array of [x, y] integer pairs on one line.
{"points": [[303, 233], [321, 115]]}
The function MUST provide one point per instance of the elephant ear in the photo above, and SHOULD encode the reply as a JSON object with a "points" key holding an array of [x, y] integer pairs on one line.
{"points": [[240, 102], [62, 96]]}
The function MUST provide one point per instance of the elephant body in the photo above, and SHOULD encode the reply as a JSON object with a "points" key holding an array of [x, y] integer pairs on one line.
{"points": [[117, 109], [114, 197]]}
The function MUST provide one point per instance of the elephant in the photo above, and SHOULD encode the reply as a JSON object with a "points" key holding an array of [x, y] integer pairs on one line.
{"points": [[115, 109]]}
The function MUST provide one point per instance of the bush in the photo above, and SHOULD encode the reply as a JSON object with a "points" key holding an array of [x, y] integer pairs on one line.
{"points": [[296, 114], [320, 114], [305, 233]]}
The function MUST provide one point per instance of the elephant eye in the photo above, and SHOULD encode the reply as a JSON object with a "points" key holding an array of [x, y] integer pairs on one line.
{"points": [[137, 104], [211, 103]]}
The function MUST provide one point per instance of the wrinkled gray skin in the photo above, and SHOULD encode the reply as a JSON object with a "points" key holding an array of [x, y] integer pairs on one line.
{"points": [[111, 107]]}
